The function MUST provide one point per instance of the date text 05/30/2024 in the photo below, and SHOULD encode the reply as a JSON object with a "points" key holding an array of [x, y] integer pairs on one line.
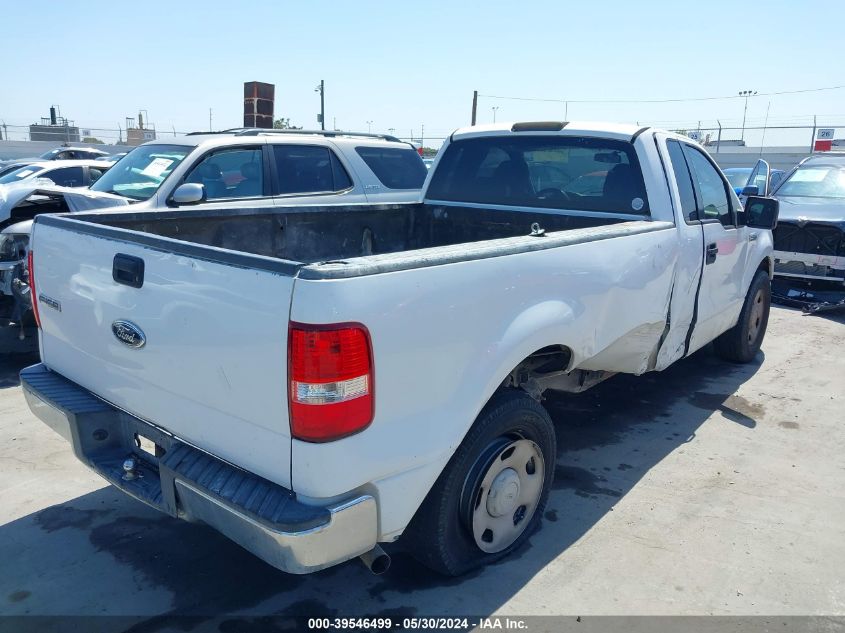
{"points": [[437, 624]]}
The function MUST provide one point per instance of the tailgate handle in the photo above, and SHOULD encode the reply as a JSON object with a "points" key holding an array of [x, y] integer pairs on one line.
{"points": [[128, 270]]}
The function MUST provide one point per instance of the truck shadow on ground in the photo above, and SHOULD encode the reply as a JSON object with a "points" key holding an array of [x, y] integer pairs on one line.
{"points": [[116, 555]]}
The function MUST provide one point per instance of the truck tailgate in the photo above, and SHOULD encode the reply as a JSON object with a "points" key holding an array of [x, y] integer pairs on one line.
{"points": [[213, 367]]}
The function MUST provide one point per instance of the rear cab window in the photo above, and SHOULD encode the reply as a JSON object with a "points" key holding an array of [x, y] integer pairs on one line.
{"points": [[395, 167], [559, 172]]}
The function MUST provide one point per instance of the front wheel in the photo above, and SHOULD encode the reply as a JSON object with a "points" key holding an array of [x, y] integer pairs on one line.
{"points": [[741, 343], [492, 493]]}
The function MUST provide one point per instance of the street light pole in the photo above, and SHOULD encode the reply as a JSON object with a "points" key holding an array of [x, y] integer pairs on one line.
{"points": [[745, 94], [369, 127], [322, 90], [494, 108]]}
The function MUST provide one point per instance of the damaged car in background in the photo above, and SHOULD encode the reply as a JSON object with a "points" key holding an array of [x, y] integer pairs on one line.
{"points": [[20, 203], [809, 239]]}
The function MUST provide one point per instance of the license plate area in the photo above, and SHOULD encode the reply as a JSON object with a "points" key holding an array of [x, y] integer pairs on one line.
{"points": [[126, 451]]}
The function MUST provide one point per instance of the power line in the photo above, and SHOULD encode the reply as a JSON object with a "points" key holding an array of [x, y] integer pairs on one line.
{"points": [[760, 94]]}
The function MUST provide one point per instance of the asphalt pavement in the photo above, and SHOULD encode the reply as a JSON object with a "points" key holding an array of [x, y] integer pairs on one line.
{"points": [[709, 488]]}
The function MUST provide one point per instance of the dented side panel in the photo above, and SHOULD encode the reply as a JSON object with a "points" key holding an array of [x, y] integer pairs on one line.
{"points": [[605, 300]]}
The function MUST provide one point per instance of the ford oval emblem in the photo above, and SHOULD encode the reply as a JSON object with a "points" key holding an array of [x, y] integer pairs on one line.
{"points": [[128, 333]]}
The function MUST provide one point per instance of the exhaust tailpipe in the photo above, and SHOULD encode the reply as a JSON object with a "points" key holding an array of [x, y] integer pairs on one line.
{"points": [[376, 560]]}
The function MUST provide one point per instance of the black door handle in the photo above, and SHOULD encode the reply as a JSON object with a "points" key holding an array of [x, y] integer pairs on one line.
{"points": [[712, 251], [128, 270]]}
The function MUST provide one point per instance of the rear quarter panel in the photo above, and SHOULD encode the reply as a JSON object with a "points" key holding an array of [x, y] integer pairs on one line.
{"points": [[444, 338]]}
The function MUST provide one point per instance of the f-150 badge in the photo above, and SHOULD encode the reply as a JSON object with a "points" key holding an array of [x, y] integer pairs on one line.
{"points": [[128, 333]]}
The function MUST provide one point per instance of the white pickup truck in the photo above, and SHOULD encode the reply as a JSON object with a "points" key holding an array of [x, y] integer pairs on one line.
{"points": [[314, 381]]}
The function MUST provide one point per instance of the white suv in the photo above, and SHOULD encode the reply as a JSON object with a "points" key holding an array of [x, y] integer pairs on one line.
{"points": [[235, 168], [246, 167]]}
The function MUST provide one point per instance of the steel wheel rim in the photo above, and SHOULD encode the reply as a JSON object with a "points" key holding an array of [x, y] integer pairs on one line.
{"points": [[756, 317], [507, 496]]}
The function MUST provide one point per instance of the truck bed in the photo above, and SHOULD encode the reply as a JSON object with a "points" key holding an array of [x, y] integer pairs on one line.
{"points": [[307, 235]]}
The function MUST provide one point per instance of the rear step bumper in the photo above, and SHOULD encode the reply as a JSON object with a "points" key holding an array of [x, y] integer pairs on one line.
{"points": [[184, 482]]}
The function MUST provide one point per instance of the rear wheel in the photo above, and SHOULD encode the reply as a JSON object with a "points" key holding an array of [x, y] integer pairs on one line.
{"points": [[491, 495], [741, 343]]}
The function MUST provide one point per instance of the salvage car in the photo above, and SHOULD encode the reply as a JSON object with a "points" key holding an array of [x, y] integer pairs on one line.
{"points": [[62, 173], [313, 381], [809, 240], [59, 153]]}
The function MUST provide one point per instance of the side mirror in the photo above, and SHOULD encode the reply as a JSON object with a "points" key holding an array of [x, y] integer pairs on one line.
{"points": [[750, 190], [188, 193], [761, 213]]}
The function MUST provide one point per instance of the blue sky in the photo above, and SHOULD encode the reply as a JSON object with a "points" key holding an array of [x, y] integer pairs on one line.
{"points": [[402, 65]]}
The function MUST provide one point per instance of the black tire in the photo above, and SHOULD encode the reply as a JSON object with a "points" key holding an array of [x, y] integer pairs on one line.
{"points": [[741, 343], [440, 534]]}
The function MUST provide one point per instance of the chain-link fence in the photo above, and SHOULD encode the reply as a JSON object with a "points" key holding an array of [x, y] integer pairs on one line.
{"points": [[59, 134], [713, 135]]}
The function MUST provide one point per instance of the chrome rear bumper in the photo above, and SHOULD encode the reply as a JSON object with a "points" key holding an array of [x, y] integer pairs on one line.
{"points": [[185, 482]]}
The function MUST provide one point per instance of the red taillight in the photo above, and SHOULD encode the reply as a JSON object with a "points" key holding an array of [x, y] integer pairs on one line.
{"points": [[330, 370], [32, 293]]}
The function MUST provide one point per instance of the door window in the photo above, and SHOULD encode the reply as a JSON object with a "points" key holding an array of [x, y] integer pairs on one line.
{"points": [[309, 169], [65, 177], [232, 173], [760, 178], [712, 194]]}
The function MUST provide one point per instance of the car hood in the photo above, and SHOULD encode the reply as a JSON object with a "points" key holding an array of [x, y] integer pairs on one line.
{"points": [[825, 210], [76, 198]]}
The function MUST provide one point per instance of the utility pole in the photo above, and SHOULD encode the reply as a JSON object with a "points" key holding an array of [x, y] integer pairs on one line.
{"points": [[422, 136], [813, 137], [322, 90], [745, 94], [474, 105]]}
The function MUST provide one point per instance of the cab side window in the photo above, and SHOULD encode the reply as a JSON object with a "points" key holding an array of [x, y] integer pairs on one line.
{"points": [[711, 191], [684, 180], [233, 173]]}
